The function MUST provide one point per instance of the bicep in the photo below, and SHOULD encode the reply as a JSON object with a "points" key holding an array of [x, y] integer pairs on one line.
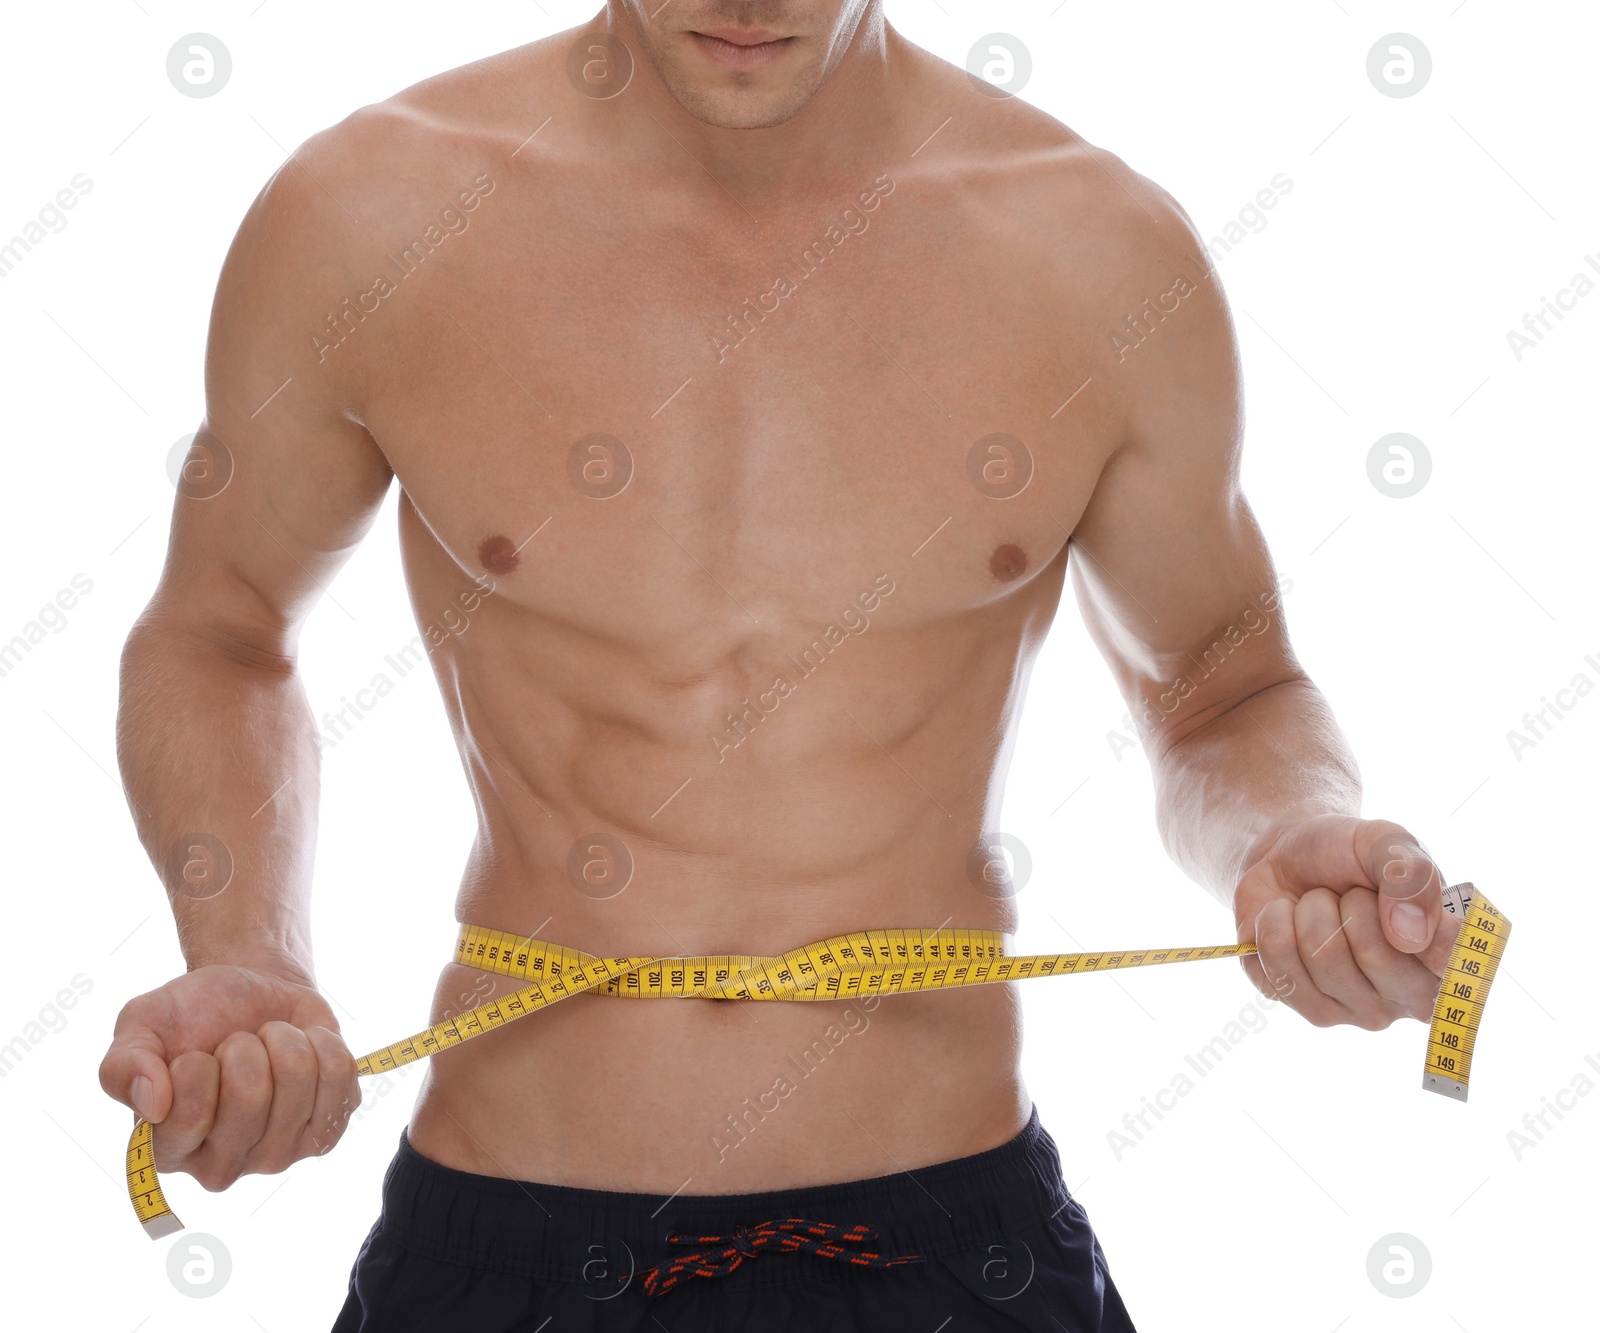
{"points": [[1170, 569], [282, 480]]}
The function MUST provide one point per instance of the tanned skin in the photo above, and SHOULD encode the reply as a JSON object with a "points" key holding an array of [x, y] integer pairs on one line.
{"points": [[593, 651]]}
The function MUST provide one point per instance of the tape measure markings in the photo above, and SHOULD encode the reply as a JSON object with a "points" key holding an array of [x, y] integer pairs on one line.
{"points": [[871, 962], [1463, 991]]}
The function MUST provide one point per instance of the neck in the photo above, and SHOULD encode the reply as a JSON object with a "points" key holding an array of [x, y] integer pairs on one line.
{"points": [[835, 111]]}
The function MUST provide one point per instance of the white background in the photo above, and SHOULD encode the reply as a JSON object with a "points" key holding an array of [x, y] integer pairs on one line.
{"points": [[1377, 299]]}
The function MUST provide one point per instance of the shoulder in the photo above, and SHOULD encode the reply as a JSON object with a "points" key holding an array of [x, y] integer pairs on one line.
{"points": [[1090, 237], [1120, 282], [1076, 200], [319, 235], [417, 143]]}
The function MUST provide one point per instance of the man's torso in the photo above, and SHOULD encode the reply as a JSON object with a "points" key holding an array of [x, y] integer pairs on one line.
{"points": [[751, 678]]}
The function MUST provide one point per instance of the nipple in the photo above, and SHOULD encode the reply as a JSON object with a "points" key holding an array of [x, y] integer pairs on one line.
{"points": [[1008, 562], [498, 555]]}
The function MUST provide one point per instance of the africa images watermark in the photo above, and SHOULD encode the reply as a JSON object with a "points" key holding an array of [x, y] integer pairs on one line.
{"points": [[372, 1092], [1252, 622], [1128, 738], [739, 1126], [1537, 326], [52, 616], [353, 311], [1536, 1125], [50, 219], [1136, 329], [1136, 1125], [1252, 218], [338, 724], [51, 1019], [743, 322], [1539, 724]]}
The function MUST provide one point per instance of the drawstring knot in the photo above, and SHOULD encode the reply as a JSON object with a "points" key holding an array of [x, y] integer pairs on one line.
{"points": [[718, 1256]]}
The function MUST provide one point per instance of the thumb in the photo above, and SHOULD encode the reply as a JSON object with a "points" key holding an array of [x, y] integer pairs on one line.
{"points": [[134, 1072], [1410, 890]]}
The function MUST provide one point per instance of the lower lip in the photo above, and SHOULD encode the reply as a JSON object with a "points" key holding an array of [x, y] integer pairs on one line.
{"points": [[741, 57]]}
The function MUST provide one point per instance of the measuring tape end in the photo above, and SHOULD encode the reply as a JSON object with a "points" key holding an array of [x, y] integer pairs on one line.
{"points": [[1445, 1087], [165, 1225]]}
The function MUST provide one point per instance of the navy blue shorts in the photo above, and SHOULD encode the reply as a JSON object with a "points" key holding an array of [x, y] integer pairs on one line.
{"points": [[1000, 1244]]}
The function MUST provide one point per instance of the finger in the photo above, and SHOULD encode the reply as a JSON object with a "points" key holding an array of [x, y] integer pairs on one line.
{"points": [[1248, 914], [1320, 935], [244, 1101], [1410, 887], [134, 1070], [1278, 949], [293, 1071], [1403, 980], [195, 1078], [338, 1092]]}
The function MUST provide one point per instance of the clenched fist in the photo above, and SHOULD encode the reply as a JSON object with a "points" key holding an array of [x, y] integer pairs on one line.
{"points": [[240, 1071], [1348, 919]]}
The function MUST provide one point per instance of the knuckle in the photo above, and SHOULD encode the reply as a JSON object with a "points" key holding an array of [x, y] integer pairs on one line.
{"points": [[237, 1044], [295, 1061], [213, 1177], [269, 1162], [1364, 934], [345, 1065], [1320, 1016], [1276, 938], [1402, 862], [246, 1065], [192, 1115], [339, 1069], [334, 1060], [1387, 831], [324, 1136], [141, 1011], [250, 1082]]}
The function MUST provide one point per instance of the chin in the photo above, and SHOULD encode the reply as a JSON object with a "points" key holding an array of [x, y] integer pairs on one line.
{"points": [[753, 106], [739, 111]]}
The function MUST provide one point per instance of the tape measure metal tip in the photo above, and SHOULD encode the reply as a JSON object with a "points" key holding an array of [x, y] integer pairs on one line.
{"points": [[165, 1225], [1445, 1087]]}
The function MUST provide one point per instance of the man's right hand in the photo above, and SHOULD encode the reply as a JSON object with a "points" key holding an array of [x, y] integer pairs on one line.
{"points": [[241, 1071]]}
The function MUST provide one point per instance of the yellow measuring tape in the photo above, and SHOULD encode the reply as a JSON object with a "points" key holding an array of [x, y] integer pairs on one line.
{"points": [[868, 962]]}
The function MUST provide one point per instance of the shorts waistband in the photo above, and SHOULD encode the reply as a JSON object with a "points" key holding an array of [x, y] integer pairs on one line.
{"points": [[557, 1233]]}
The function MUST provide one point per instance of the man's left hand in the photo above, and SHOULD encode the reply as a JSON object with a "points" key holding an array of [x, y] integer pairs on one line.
{"points": [[1348, 918]]}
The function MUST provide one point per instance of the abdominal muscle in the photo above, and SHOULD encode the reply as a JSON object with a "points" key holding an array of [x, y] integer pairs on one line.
{"points": [[853, 806], [724, 1096]]}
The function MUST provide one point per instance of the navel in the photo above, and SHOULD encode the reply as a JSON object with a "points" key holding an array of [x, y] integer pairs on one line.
{"points": [[498, 555], [1008, 562]]}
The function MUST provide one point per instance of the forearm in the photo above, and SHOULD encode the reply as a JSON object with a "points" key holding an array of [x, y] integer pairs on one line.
{"points": [[218, 755], [1227, 788]]}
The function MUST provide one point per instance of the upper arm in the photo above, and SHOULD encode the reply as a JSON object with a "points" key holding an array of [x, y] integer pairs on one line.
{"points": [[282, 480], [1172, 575]]}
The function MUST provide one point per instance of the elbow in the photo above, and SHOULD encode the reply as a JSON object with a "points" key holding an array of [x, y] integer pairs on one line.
{"points": [[162, 633]]}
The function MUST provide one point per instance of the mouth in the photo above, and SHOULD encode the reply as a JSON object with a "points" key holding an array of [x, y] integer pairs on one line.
{"points": [[742, 48]]}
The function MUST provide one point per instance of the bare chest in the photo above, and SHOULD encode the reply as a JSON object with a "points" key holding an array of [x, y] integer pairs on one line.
{"points": [[636, 417]]}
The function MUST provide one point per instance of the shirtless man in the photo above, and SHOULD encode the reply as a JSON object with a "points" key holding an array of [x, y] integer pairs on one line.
{"points": [[750, 400]]}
